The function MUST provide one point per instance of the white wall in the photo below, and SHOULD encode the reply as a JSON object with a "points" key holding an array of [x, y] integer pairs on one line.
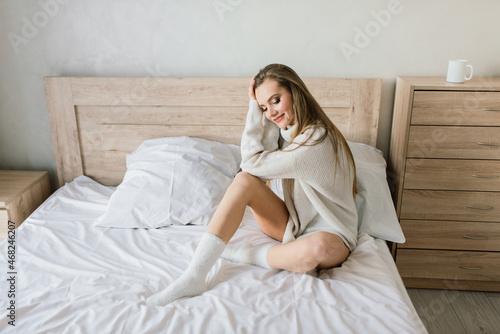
{"points": [[227, 38]]}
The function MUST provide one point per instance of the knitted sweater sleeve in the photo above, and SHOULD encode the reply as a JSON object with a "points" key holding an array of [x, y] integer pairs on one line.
{"points": [[259, 149]]}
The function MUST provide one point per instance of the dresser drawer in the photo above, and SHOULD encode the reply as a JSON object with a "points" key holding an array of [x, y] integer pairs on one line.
{"points": [[451, 142], [448, 174], [451, 205], [456, 108], [450, 265], [433, 234]]}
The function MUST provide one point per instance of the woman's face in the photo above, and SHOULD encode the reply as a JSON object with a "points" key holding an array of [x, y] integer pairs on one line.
{"points": [[276, 102]]}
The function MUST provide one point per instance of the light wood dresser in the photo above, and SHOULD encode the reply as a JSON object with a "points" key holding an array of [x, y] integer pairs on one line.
{"points": [[444, 163], [21, 192]]}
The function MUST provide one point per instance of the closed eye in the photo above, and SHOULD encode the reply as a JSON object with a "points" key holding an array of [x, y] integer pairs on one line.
{"points": [[276, 100]]}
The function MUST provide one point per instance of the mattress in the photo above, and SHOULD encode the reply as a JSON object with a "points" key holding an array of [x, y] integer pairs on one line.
{"points": [[72, 277]]}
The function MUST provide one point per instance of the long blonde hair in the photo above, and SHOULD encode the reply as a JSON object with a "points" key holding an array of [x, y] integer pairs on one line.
{"points": [[308, 113]]}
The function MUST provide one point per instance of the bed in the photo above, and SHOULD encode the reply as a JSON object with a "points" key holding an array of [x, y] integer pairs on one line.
{"points": [[75, 273]]}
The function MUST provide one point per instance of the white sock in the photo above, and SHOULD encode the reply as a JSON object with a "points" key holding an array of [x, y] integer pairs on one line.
{"points": [[256, 255], [193, 281]]}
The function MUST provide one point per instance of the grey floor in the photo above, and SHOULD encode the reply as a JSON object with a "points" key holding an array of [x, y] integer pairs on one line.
{"points": [[456, 312]]}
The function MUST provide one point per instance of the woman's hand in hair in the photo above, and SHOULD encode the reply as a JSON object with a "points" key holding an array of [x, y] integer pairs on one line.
{"points": [[251, 89]]}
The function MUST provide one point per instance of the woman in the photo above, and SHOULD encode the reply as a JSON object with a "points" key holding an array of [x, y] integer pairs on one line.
{"points": [[287, 136]]}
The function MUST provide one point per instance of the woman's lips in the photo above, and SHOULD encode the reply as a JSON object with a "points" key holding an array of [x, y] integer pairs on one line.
{"points": [[279, 118]]}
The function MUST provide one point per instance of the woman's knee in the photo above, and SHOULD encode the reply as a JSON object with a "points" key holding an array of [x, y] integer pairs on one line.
{"points": [[327, 250], [243, 187], [245, 180]]}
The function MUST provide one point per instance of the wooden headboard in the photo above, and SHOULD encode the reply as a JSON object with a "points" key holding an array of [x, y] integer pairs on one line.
{"points": [[96, 121]]}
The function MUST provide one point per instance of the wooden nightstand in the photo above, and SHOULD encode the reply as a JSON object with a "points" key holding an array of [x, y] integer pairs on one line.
{"points": [[445, 160], [21, 192]]}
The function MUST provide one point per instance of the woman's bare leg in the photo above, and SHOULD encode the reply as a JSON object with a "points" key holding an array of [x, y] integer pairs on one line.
{"points": [[247, 190], [244, 190], [321, 250]]}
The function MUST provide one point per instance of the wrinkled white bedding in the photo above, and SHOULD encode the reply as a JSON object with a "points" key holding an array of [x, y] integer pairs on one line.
{"points": [[76, 278]]}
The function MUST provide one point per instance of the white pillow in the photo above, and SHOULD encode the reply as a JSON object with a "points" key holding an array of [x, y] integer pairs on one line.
{"points": [[376, 213], [176, 180]]}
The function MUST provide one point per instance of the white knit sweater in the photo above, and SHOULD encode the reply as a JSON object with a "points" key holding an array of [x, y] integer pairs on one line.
{"points": [[321, 190]]}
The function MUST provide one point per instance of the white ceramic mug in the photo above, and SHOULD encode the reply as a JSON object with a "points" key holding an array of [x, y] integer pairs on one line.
{"points": [[456, 71]]}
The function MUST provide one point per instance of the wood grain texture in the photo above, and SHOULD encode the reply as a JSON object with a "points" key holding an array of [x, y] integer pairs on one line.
{"points": [[440, 84], [434, 310], [454, 142], [474, 312], [65, 136], [436, 234], [450, 174], [399, 138], [451, 205], [448, 265], [451, 284], [363, 126], [494, 299], [456, 108], [97, 121], [21, 192], [442, 311]]}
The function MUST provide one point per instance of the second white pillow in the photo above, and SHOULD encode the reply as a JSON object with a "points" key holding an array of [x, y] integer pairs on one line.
{"points": [[176, 180]]}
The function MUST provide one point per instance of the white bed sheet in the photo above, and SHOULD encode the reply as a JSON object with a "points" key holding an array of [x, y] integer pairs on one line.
{"points": [[76, 278]]}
